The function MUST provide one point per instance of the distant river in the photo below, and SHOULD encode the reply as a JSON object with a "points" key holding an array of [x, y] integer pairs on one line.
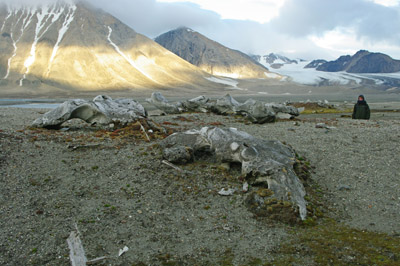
{"points": [[30, 103]]}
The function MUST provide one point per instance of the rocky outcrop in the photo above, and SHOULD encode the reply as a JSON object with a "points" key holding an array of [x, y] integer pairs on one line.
{"points": [[209, 55], [362, 62], [102, 110], [316, 63], [278, 59], [268, 164], [274, 61]]}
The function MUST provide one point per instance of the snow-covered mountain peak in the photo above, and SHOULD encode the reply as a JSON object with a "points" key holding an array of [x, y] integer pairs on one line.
{"points": [[274, 61], [42, 4], [68, 44]]}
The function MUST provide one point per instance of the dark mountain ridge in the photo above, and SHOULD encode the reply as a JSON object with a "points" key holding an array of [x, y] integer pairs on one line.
{"points": [[316, 63], [209, 55], [362, 62]]}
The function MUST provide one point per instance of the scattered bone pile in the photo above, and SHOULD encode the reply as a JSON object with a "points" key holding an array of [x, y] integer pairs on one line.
{"points": [[255, 111], [269, 164]]}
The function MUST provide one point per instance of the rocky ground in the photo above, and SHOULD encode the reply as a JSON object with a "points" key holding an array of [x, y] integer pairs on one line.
{"points": [[113, 186]]}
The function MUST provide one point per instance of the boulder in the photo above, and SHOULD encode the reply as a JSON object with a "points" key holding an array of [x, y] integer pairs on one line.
{"points": [[263, 163], [102, 110]]}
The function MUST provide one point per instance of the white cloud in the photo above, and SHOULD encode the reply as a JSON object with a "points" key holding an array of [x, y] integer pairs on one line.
{"points": [[387, 2], [261, 11]]}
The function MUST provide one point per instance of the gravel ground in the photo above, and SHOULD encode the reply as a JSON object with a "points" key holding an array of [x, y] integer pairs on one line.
{"points": [[119, 193]]}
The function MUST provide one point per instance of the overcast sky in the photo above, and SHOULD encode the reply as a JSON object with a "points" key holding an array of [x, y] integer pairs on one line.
{"points": [[308, 29]]}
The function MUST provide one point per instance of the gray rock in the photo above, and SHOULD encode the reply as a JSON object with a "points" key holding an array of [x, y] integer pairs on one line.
{"points": [[102, 110], [268, 163], [343, 187]]}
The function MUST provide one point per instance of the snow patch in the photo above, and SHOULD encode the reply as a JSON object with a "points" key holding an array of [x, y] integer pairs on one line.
{"points": [[226, 81], [272, 75], [43, 15], [229, 75], [5, 20], [25, 23], [64, 28], [127, 58], [310, 76]]}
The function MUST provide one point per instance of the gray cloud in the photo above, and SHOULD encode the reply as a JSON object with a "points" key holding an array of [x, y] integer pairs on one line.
{"points": [[374, 25], [30, 2], [152, 18], [370, 21]]}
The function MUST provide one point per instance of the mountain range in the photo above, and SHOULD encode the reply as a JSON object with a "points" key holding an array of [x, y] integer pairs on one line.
{"points": [[75, 46], [362, 62], [211, 56], [274, 61], [71, 46]]}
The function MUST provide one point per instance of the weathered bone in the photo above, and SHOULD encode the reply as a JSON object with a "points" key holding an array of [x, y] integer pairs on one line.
{"points": [[160, 102], [263, 162], [256, 111], [225, 105], [102, 110]]}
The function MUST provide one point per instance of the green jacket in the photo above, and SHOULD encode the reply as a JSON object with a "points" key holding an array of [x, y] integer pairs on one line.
{"points": [[361, 111]]}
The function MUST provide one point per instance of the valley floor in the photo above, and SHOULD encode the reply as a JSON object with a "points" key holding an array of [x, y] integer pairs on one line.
{"points": [[118, 193]]}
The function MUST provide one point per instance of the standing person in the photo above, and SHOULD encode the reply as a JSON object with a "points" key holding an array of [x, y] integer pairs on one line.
{"points": [[361, 109]]}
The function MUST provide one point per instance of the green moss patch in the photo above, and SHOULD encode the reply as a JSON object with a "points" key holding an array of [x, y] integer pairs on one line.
{"points": [[332, 243], [315, 108]]}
